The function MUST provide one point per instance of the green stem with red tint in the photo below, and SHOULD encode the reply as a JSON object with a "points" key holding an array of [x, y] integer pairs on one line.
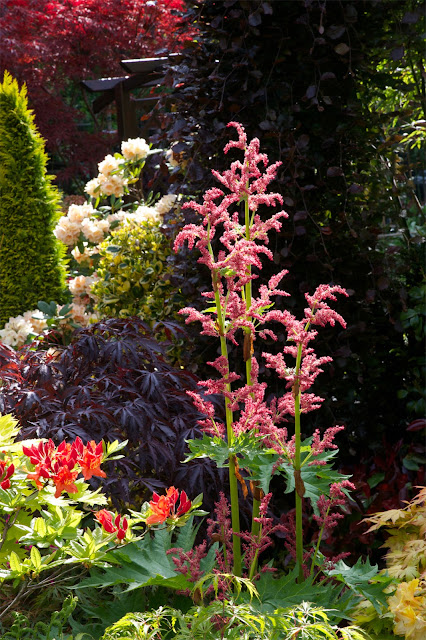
{"points": [[233, 482]]}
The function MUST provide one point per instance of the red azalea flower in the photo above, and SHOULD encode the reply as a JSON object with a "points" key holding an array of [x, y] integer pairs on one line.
{"points": [[122, 526], [90, 459], [119, 524], [104, 517], [184, 505], [5, 474], [41, 453], [163, 507], [42, 456], [172, 495], [160, 509], [64, 481], [66, 454]]}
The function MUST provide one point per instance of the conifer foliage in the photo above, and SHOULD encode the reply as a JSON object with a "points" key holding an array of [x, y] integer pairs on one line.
{"points": [[32, 264]]}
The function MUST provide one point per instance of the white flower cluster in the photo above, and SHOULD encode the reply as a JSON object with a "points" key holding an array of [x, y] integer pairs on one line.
{"points": [[80, 316], [81, 285], [17, 330], [83, 220], [79, 220], [136, 149], [84, 256], [154, 213], [165, 203], [68, 228], [33, 323], [111, 180]]}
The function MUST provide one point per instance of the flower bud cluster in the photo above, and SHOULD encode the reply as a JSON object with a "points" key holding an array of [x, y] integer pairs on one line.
{"points": [[118, 524], [6, 471]]}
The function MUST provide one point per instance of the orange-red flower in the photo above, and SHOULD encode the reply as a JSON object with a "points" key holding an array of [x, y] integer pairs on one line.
{"points": [[90, 459], [42, 456], [164, 507], [64, 480], [64, 463], [105, 517], [184, 505], [159, 508]]}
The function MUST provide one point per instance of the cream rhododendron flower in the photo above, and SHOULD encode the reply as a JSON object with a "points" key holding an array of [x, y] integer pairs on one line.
{"points": [[82, 257], [80, 286], [146, 213], [36, 319], [78, 212], [118, 215], [136, 149], [92, 187], [79, 315], [165, 203], [108, 164], [16, 331], [113, 186], [94, 230], [67, 231]]}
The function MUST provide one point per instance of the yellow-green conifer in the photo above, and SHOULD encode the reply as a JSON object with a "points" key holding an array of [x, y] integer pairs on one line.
{"points": [[32, 265]]}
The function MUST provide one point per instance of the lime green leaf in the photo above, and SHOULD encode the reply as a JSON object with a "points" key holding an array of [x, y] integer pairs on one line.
{"points": [[35, 558], [113, 448], [9, 430], [14, 562]]}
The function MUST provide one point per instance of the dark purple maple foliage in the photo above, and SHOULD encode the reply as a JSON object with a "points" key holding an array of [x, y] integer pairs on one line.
{"points": [[112, 382]]}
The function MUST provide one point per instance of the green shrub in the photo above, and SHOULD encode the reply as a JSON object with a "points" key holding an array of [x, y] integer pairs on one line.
{"points": [[134, 274], [32, 266]]}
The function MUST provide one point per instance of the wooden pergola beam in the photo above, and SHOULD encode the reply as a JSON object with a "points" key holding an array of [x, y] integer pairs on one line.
{"points": [[144, 73]]}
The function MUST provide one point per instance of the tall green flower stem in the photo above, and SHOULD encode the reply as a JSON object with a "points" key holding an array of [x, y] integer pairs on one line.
{"points": [[297, 466], [248, 342], [300, 489], [233, 482]]}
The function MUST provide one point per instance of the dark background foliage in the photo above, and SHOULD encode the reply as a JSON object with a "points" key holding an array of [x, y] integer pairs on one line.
{"points": [[300, 75], [112, 382]]}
